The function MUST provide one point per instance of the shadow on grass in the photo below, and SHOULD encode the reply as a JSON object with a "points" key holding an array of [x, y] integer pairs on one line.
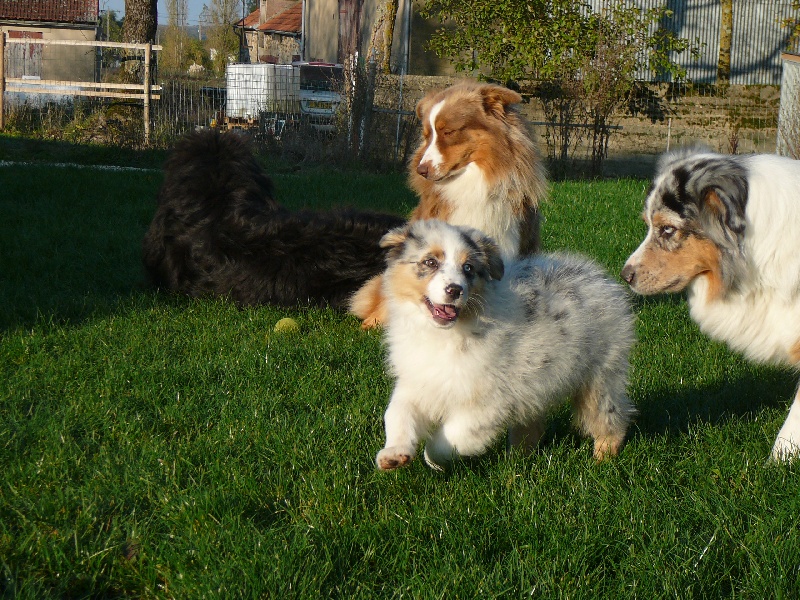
{"points": [[675, 413], [21, 149], [671, 412], [70, 238]]}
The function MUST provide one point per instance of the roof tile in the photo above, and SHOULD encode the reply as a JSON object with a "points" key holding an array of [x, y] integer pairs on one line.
{"points": [[54, 11]]}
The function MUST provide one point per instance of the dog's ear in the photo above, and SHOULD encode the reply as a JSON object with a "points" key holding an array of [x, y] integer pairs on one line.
{"points": [[497, 99], [495, 261], [491, 251], [722, 219], [724, 207], [719, 188], [423, 105], [394, 241], [722, 211]]}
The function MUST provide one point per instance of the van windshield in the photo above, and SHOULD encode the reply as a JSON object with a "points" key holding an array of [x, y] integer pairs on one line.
{"points": [[321, 78]]}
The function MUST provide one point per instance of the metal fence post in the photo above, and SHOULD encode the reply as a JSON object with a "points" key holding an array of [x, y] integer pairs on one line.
{"points": [[2, 78]]}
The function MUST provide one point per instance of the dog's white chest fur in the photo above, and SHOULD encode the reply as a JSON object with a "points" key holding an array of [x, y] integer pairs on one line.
{"points": [[451, 366], [470, 196], [762, 324]]}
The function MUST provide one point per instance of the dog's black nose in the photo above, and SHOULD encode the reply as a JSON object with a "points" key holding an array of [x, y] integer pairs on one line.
{"points": [[423, 169], [453, 291], [629, 274]]}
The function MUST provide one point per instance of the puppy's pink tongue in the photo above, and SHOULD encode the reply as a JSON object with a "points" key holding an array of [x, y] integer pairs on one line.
{"points": [[445, 311]]}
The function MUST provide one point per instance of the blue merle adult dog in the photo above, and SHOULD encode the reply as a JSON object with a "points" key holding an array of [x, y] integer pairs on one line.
{"points": [[725, 230], [218, 231]]}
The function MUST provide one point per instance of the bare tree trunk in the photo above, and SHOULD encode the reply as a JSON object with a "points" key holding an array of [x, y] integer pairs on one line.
{"points": [[141, 21], [725, 35], [139, 27], [388, 34]]}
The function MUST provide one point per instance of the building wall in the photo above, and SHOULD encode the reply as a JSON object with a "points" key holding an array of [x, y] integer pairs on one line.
{"points": [[271, 47], [789, 115], [285, 49], [756, 45], [61, 63], [322, 36], [322, 30], [421, 61]]}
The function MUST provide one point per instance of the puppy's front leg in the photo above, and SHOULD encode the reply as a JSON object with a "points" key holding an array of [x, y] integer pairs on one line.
{"points": [[467, 433], [403, 426]]}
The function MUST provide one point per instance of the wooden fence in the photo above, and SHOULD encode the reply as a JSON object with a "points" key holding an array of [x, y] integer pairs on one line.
{"points": [[145, 91]]}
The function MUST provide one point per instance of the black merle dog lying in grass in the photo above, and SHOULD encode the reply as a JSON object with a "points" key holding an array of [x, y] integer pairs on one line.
{"points": [[218, 231]]}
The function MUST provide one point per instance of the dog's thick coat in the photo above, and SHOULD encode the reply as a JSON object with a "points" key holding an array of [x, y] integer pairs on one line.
{"points": [[476, 166], [218, 231], [475, 352], [725, 229]]}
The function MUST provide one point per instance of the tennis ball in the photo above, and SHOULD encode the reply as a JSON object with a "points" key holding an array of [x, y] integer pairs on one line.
{"points": [[287, 325]]}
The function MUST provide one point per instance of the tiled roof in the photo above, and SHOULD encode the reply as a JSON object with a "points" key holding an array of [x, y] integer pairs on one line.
{"points": [[275, 7], [52, 11], [250, 21], [289, 21]]}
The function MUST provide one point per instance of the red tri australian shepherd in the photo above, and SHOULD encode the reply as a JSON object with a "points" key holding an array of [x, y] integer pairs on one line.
{"points": [[727, 230], [476, 166]]}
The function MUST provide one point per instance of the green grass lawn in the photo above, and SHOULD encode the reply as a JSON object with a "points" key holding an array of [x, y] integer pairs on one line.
{"points": [[153, 446]]}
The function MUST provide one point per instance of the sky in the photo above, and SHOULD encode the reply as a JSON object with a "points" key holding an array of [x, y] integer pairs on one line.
{"points": [[195, 6]]}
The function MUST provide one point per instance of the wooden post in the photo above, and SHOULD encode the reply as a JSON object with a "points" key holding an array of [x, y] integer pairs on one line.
{"points": [[2, 78], [369, 99], [147, 50], [725, 38]]}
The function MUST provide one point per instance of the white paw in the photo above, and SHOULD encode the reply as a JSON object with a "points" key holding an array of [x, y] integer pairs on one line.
{"points": [[393, 458]]}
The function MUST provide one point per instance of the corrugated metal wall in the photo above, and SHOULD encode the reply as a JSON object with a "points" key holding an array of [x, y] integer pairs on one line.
{"points": [[757, 41]]}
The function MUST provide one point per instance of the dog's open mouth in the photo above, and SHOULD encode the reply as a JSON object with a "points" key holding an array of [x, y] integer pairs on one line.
{"points": [[443, 314]]}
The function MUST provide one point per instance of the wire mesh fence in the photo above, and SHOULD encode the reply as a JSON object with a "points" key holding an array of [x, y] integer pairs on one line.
{"points": [[52, 85], [326, 113], [659, 117]]}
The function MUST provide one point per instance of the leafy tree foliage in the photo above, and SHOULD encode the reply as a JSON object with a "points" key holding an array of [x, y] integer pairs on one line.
{"points": [[222, 40], [792, 24], [175, 42], [110, 26]]}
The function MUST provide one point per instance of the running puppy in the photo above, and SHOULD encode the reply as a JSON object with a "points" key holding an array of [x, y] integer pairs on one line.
{"points": [[475, 353], [725, 229], [476, 166], [218, 231]]}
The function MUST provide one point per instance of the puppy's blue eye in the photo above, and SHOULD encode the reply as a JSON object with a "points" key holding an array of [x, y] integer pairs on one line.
{"points": [[467, 268]]}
